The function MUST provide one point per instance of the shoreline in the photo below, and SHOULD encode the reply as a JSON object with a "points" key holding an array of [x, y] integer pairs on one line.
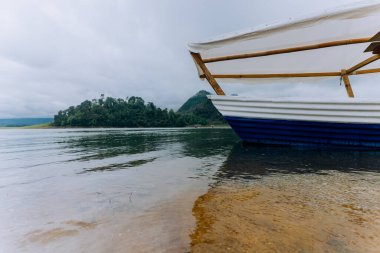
{"points": [[48, 126]]}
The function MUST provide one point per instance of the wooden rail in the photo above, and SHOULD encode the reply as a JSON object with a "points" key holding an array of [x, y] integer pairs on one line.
{"points": [[344, 74], [289, 50], [367, 71], [214, 84], [317, 74], [282, 75], [347, 83], [363, 63]]}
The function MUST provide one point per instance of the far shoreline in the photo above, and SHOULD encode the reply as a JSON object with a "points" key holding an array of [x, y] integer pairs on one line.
{"points": [[49, 126]]}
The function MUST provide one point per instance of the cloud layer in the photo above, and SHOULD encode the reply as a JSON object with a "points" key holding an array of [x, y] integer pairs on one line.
{"points": [[54, 54]]}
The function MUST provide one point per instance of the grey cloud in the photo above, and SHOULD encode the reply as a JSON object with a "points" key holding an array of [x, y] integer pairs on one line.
{"points": [[54, 54]]}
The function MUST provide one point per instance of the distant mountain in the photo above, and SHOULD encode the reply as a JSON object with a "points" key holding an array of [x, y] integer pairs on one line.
{"points": [[199, 105], [18, 122]]}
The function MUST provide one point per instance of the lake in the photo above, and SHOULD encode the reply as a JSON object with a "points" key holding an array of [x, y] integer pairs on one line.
{"points": [[182, 190]]}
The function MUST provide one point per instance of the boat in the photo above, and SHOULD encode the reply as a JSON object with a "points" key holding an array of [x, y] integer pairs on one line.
{"points": [[336, 46]]}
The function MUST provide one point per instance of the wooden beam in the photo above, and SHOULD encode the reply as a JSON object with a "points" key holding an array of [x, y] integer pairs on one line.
{"points": [[367, 71], [198, 59], [319, 74], [347, 83], [316, 74], [363, 63], [289, 50]]}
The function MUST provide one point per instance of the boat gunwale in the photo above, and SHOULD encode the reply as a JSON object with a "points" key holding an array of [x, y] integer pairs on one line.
{"points": [[297, 100]]}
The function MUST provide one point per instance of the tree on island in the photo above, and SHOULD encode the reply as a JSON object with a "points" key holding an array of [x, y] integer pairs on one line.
{"points": [[132, 112]]}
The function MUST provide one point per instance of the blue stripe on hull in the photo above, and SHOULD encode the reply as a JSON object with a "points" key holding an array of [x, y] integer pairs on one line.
{"points": [[295, 132]]}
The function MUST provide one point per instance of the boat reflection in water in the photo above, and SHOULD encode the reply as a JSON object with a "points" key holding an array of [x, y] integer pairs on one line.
{"points": [[278, 199], [250, 162]]}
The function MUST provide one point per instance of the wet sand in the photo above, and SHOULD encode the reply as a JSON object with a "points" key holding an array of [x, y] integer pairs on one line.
{"points": [[163, 228], [337, 212]]}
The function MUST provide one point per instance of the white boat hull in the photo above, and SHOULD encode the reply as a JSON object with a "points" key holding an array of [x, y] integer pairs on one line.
{"points": [[286, 121]]}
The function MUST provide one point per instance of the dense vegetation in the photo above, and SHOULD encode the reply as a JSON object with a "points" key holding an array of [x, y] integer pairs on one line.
{"points": [[200, 106], [134, 112]]}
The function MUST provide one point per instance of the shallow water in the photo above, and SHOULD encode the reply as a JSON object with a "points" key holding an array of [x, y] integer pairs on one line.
{"points": [[180, 190]]}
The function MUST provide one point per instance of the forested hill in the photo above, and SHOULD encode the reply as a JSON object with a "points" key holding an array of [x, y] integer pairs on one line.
{"points": [[200, 106], [135, 112]]}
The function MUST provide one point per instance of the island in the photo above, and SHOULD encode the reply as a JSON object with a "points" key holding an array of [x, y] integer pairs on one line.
{"points": [[135, 112]]}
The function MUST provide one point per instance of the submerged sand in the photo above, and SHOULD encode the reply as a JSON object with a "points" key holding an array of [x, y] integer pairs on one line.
{"points": [[337, 212]]}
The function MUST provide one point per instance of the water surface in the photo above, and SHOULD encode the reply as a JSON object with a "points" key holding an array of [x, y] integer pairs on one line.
{"points": [[181, 190]]}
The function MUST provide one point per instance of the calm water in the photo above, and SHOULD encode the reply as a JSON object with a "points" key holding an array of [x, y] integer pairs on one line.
{"points": [[181, 190]]}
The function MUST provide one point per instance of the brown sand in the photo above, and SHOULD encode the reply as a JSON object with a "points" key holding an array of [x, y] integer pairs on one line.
{"points": [[296, 213], [163, 228], [53, 234], [50, 235], [334, 213]]}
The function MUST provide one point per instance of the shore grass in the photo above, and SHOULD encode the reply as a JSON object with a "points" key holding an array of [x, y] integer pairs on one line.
{"points": [[38, 126]]}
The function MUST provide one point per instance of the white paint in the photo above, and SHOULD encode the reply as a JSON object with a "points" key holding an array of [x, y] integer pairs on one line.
{"points": [[324, 110]]}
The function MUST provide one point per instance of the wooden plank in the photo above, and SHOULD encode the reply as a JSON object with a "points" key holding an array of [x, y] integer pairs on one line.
{"points": [[319, 74], [367, 71], [347, 83], [198, 59], [363, 63], [289, 75], [286, 75], [288, 50]]}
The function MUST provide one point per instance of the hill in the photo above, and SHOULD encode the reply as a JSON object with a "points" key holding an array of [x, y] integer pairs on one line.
{"points": [[135, 112], [200, 106], [117, 112], [18, 122]]}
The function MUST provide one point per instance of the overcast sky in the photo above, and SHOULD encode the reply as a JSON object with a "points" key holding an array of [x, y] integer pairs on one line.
{"points": [[54, 54]]}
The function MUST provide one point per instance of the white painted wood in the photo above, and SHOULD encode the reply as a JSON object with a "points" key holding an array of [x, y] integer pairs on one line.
{"points": [[338, 110]]}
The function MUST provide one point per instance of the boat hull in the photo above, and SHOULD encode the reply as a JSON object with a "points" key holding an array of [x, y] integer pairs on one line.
{"points": [[305, 133], [344, 123]]}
